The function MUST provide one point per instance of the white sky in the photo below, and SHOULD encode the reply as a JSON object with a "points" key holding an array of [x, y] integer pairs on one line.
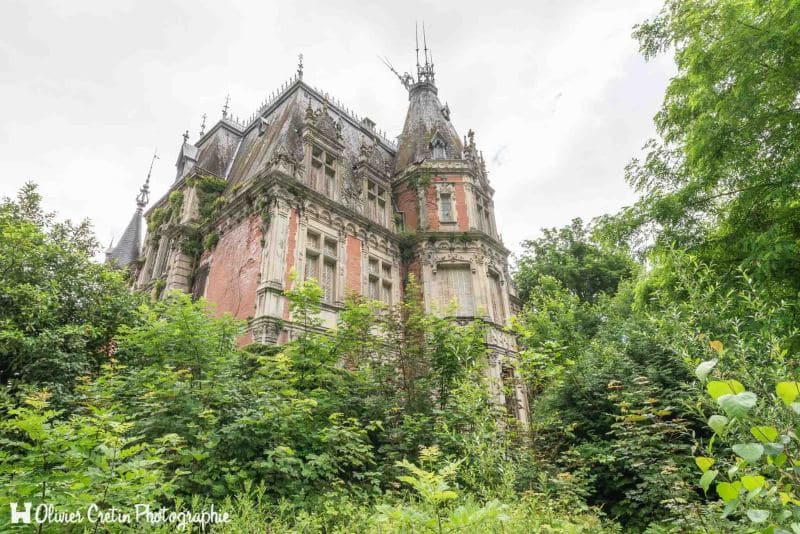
{"points": [[556, 91]]}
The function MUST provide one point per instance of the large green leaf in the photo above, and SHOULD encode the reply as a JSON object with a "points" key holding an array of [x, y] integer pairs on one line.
{"points": [[718, 388], [787, 391], [704, 463], [738, 405], [764, 434], [729, 491], [757, 516], [707, 478], [717, 423], [750, 452], [704, 368], [751, 482]]}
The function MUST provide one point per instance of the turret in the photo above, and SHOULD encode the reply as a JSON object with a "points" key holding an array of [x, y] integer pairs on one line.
{"points": [[129, 245]]}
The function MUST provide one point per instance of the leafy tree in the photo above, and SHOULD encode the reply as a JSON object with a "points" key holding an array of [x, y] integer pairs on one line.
{"points": [[582, 265], [723, 180], [59, 310]]}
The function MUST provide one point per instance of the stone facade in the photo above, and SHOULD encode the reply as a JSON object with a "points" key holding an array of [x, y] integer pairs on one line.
{"points": [[305, 186]]}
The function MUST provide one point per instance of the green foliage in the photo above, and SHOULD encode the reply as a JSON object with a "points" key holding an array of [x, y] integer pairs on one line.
{"points": [[59, 310], [87, 458], [552, 330], [155, 219], [753, 449], [570, 255], [209, 191], [175, 200], [420, 180], [210, 241], [722, 182]]}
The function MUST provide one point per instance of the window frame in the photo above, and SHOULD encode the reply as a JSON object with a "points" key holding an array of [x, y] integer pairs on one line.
{"points": [[381, 278], [322, 251]]}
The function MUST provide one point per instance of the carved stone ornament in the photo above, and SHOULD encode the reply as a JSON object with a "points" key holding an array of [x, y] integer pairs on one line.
{"points": [[371, 155], [323, 122]]}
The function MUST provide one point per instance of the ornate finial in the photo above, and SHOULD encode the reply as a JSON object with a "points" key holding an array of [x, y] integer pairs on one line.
{"points": [[203, 126], [225, 107], [144, 193], [300, 66], [186, 136]]}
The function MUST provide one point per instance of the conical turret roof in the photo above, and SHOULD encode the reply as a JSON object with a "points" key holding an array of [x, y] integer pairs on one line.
{"points": [[427, 123], [129, 245]]}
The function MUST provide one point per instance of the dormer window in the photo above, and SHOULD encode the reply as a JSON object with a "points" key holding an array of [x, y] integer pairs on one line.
{"points": [[323, 172], [438, 149]]}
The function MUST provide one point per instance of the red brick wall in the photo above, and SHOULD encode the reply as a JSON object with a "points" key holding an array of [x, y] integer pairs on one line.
{"points": [[461, 207], [432, 207], [353, 264], [407, 203], [234, 270]]}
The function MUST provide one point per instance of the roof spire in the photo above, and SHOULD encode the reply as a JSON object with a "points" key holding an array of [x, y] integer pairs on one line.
{"points": [[425, 43], [186, 136], [226, 106], [144, 193], [426, 73], [300, 66], [416, 40], [203, 126]]}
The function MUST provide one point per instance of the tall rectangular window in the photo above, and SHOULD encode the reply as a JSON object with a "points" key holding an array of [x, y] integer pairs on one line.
{"points": [[328, 281], [496, 294], [446, 207], [455, 283], [312, 266], [380, 281], [322, 175], [321, 261], [376, 202]]}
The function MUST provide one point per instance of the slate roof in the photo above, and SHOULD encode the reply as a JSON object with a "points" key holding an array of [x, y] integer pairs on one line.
{"points": [[426, 118], [129, 245]]}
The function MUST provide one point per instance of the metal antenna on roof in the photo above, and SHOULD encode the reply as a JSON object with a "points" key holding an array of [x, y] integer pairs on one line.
{"points": [[406, 79], [416, 40], [425, 43]]}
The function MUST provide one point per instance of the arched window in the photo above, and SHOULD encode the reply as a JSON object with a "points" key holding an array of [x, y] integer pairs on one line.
{"points": [[438, 149]]}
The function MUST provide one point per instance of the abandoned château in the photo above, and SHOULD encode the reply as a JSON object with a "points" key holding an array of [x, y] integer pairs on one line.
{"points": [[306, 188]]}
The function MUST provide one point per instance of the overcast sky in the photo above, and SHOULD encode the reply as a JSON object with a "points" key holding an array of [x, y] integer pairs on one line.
{"points": [[556, 91]]}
